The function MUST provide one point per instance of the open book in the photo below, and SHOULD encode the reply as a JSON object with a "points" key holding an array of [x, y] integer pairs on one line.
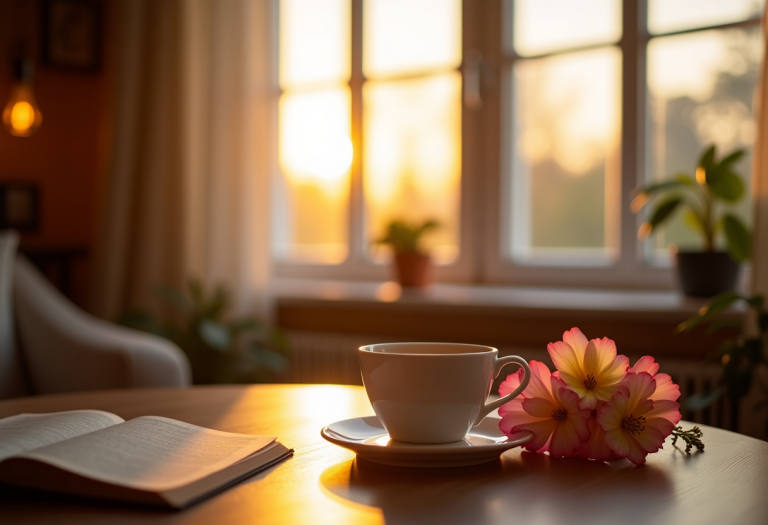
{"points": [[151, 460]]}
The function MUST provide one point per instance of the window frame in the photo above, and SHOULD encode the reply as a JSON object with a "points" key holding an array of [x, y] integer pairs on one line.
{"points": [[485, 161]]}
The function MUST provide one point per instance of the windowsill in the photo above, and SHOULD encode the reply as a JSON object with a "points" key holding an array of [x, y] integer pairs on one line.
{"points": [[641, 322], [437, 296]]}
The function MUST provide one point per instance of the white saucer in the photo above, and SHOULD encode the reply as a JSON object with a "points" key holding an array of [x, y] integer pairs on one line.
{"points": [[367, 437]]}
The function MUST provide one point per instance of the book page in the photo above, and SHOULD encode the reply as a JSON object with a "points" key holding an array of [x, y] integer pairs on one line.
{"points": [[150, 453], [30, 431]]}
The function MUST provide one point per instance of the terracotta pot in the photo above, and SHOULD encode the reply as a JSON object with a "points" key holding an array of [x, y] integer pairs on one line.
{"points": [[413, 269], [706, 274]]}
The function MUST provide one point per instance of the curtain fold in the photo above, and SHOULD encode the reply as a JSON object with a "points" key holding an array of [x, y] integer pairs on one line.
{"points": [[192, 154], [760, 184]]}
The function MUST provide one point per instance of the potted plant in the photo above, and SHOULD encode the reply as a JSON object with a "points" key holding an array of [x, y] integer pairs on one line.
{"points": [[708, 272], [220, 349], [741, 356], [412, 262]]}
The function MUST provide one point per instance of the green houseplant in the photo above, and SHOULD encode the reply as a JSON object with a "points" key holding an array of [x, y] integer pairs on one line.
{"points": [[740, 357], [220, 349], [707, 272], [412, 261]]}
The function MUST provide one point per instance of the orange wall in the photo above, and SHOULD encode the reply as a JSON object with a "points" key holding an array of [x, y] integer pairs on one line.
{"points": [[63, 157]]}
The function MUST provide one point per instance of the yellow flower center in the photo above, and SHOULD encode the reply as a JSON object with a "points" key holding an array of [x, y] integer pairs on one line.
{"points": [[559, 414], [590, 382], [632, 424]]}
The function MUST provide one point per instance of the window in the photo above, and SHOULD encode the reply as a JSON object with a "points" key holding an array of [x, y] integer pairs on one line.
{"points": [[521, 126]]}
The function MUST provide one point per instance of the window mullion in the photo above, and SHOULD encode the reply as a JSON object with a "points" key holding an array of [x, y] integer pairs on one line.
{"points": [[633, 124], [356, 205]]}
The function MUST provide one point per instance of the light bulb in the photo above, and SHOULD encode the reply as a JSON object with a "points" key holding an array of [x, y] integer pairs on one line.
{"points": [[21, 115]]}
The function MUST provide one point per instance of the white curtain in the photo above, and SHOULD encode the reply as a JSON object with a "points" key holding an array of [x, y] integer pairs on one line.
{"points": [[192, 151], [760, 185]]}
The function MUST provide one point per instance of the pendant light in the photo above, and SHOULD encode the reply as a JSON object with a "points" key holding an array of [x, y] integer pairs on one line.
{"points": [[21, 115]]}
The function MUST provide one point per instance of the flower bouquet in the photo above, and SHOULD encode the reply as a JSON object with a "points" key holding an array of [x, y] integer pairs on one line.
{"points": [[595, 405]]}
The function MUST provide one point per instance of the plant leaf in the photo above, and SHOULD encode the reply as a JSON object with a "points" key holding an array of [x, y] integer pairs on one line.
{"points": [[733, 158], [710, 309], [215, 335], [738, 238], [707, 159], [703, 399], [726, 185], [663, 211], [722, 324]]}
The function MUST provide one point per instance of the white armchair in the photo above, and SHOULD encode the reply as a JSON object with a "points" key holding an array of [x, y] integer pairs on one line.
{"points": [[47, 345]]}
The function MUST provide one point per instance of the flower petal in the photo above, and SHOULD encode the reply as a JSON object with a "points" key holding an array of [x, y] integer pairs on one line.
{"points": [[605, 351], [591, 360], [514, 406], [539, 407], [512, 381], [646, 364], [641, 387], [665, 388], [542, 430], [663, 408], [610, 415], [595, 447], [636, 453], [656, 431], [565, 440], [618, 441], [576, 340], [565, 358]]}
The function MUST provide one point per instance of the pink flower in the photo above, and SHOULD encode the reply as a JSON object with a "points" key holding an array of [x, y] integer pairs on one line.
{"points": [[590, 368], [635, 425], [595, 447], [665, 388], [547, 409]]}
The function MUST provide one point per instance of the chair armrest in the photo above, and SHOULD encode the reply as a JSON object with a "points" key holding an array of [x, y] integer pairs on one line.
{"points": [[66, 349]]}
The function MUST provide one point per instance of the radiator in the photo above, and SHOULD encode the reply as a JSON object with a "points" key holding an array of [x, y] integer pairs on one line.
{"points": [[332, 358]]}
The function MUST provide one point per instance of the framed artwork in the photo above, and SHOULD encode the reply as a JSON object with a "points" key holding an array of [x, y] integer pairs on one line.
{"points": [[71, 35], [19, 206]]}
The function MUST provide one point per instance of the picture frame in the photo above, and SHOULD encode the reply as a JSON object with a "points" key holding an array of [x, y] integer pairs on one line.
{"points": [[71, 35], [20, 206]]}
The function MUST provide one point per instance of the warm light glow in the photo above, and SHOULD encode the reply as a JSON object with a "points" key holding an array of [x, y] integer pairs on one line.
{"points": [[21, 116], [412, 165], [542, 26], [405, 36], [701, 175]]}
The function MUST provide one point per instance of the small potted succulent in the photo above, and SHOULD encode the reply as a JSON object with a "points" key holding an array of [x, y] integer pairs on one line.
{"points": [[412, 262], [708, 272]]}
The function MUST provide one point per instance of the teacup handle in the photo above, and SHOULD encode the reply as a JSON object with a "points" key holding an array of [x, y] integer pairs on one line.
{"points": [[498, 365]]}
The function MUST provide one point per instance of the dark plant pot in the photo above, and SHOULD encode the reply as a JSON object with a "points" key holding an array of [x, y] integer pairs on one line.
{"points": [[413, 269], [706, 274]]}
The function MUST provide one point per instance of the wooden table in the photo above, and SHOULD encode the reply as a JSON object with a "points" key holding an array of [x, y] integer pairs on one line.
{"points": [[322, 483]]}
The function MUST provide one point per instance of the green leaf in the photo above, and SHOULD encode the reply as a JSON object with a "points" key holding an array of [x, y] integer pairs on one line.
{"points": [[733, 158], [707, 159], [270, 360], [710, 309], [703, 399], [664, 211], [215, 335], [726, 185], [756, 300], [738, 238], [693, 220], [722, 324]]}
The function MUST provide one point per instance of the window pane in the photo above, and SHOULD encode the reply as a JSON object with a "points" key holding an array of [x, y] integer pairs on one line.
{"points": [[412, 163], [565, 176], [701, 87], [675, 15], [542, 26], [313, 195], [314, 41], [406, 36]]}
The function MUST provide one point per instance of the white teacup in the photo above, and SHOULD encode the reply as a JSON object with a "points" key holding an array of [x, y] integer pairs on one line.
{"points": [[433, 392]]}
